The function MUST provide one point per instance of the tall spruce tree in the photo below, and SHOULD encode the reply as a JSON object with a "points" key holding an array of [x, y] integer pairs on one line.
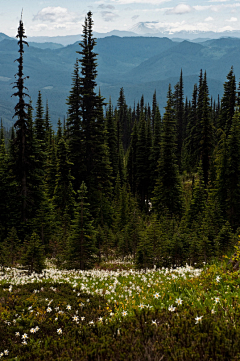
{"points": [[168, 189], [81, 245], [112, 140], [179, 114], [155, 151], [228, 103], [192, 137], [233, 173], [63, 198], [142, 162], [22, 162], [3, 186], [96, 170], [75, 134], [132, 160], [206, 142], [123, 125]]}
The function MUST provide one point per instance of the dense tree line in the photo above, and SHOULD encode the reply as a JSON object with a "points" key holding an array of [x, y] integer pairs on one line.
{"points": [[165, 189]]}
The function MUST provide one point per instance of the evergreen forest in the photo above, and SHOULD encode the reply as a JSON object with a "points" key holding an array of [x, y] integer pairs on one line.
{"points": [[162, 189]]}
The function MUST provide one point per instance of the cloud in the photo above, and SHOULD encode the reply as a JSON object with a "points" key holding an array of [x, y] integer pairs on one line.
{"points": [[209, 18], [135, 17], [56, 15], [103, 6], [109, 15], [180, 9], [154, 2], [232, 20], [217, 8]]}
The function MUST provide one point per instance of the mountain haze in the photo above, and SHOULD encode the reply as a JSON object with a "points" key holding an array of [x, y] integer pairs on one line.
{"points": [[139, 64]]}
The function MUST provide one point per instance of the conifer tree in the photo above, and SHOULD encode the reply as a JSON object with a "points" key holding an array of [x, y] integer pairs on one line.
{"points": [[40, 137], [10, 249], [33, 256], [142, 162], [225, 239], [145, 255], [168, 190], [51, 170], [221, 163], [96, 170], [206, 141], [179, 114], [155, 151], [228, 103], [75, 135], [63, 198], [197, 204], [48, 125], [14, 201], [123, 126], [112, 140], [233, 173], [4, 186], [192, 137], [22, 132], [81, 244], [132, 160], [154, 110], [40, 129]]}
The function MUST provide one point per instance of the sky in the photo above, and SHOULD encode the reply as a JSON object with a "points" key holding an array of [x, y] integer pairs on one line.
{"points": [[61, 17]]}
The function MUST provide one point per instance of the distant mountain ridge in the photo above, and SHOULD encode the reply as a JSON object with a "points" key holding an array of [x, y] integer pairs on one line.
{"points": [[138, 30], [138, 64]]}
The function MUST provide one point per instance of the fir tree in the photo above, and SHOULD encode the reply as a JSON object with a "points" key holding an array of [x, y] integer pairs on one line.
{"points": [[96, 170], [112, 140], [154, 110], [10, 249], [155, 151], [197, 204], [81, 245], [4, 186], [206, 141], [132, 160], [33, 256], [40, 129], [75, 135], [233, 173], [192, 134], [142, 162], [124, 122], [168, 190], [21, 141], [63, 198], [228, 103], [179, 114]]}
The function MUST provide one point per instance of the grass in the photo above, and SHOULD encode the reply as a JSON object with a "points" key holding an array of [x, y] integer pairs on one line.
{"points": [[176, 314]]}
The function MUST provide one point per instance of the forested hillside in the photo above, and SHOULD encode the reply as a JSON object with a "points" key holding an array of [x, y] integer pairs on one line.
{"points": [[128, 180], [140, 65]]}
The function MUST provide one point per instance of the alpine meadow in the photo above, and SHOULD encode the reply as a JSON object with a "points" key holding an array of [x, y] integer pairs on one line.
{"points": [[120, 226]]}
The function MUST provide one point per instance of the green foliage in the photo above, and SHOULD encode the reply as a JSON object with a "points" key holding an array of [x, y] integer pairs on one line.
{"points": [[10, 249], [141, 336], [168, 188], [145, 252], [81, 244], [33, 256], [225, 239]]}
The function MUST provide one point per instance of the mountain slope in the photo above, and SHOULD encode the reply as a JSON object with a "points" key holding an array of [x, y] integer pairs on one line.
{"points": [[139, 64]]}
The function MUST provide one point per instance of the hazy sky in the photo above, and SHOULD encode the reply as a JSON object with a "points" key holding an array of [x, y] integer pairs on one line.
{"points": [[61, 17]]}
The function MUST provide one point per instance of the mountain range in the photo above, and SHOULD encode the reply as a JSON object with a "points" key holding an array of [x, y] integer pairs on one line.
{"points": [[139, 64]]}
